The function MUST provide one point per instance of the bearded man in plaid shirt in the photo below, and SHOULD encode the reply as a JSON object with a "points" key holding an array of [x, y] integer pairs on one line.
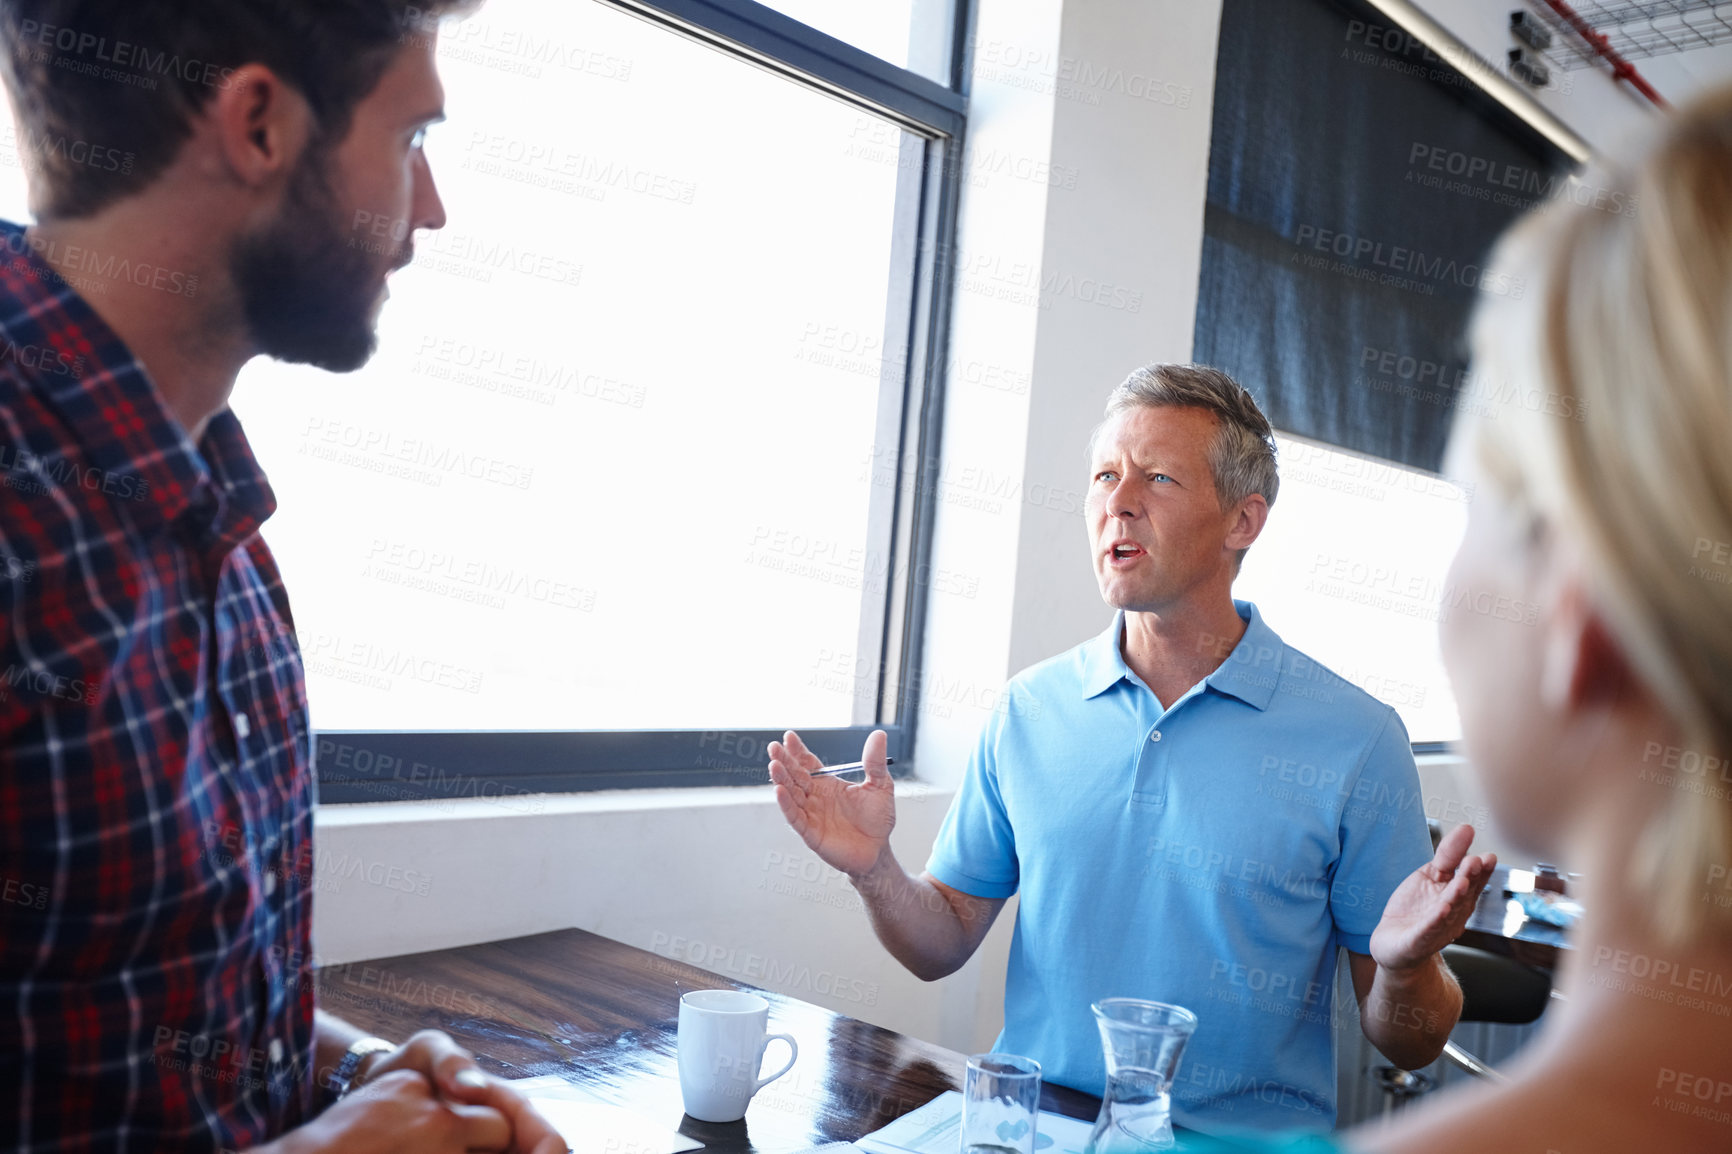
{"points": [[195, 170]]}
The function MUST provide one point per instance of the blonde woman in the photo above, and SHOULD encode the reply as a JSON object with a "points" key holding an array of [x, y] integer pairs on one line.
{"points": [[1602, 474]]}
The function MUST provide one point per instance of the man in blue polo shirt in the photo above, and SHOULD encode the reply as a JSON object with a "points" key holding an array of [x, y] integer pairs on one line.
{"points": [[1192, 811]]}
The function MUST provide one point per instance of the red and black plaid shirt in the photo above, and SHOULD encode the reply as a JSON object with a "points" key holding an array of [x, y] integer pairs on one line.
{"points": [[155, 789]]}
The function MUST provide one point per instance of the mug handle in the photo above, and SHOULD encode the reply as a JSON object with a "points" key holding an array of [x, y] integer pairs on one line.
{"points": [[793, 1053]]}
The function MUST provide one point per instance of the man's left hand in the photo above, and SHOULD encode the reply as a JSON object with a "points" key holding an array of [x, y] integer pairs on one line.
{"points": [[1429, 910], [457, 1078]]}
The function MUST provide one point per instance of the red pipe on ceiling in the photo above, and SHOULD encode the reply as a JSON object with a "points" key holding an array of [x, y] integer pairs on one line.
{"points": [[1621, 69]]}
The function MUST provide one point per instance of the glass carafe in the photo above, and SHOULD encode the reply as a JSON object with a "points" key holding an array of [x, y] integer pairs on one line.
{"points": [[1143, 1042]]}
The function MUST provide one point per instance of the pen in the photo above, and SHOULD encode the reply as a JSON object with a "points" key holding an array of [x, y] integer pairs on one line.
{"points": [[851, 767]]}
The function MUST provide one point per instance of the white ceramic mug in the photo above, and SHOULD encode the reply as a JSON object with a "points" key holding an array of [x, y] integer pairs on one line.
{"points": [[721, 1046]]}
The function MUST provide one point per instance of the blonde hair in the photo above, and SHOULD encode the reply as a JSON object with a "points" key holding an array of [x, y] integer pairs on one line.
{"points": [[1628, 452]]}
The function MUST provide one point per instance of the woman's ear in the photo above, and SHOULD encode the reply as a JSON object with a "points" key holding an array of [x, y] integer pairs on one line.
{"points": [[1582, 665]]}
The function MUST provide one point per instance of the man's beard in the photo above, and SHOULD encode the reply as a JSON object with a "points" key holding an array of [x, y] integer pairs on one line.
{"points": [[306, 289]]}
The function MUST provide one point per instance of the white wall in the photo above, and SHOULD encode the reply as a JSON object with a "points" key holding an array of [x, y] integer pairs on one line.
{"points": [[1587, 100], [1599, 108], [1134, 221], [1107, 102]]}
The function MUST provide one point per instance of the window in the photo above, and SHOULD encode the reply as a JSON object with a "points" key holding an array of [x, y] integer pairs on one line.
{"points": [[622, 494], [617, 435], [1350, 570], [914, 34]]}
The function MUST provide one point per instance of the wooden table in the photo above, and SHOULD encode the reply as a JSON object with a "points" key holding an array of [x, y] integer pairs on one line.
{"points": [[1493, 927], [604, 1016]]}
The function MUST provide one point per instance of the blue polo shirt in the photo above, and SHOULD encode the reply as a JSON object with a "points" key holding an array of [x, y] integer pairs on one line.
{"points": [[1213, 854]]}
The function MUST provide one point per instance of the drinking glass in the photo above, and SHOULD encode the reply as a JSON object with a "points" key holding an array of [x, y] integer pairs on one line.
{"points": [[1000, 1104]]}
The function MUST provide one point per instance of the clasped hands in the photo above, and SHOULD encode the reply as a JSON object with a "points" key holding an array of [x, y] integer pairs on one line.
{"points": [[426, 1095]]}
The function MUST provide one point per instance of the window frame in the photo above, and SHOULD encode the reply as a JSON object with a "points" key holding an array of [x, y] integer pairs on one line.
{"points": [[355, 766]]}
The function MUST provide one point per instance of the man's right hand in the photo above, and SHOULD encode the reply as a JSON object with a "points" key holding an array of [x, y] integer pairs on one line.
{"points": [[927, 926], [399, 1112], [848, 826]]}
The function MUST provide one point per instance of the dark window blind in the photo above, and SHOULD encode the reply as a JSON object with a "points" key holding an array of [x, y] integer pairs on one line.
{"points": [[1356, 185]]}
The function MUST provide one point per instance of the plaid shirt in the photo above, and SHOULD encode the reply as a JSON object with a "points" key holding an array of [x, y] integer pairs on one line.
{"points": [[155, 786]]}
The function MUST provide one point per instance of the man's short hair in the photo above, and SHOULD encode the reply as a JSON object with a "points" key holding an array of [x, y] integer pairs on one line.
{"points": [[1242, 458], [105, 91]]}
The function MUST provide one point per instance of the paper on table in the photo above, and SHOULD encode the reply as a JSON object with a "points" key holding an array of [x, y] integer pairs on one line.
{"points": [[593, 1127], [936, 1128]]}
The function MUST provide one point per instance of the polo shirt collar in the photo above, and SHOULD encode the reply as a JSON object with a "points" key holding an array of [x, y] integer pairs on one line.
{"points": [[1249, 672], [1103, 662], [136, 450]]}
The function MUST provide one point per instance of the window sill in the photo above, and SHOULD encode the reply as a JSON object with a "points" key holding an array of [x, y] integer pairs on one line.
{"points": [[382, 813]]}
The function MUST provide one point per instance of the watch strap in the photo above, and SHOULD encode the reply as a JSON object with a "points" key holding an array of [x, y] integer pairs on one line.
{"points": [[342, 1079]]}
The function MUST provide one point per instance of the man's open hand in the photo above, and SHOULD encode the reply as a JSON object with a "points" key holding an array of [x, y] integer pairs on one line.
{"points": [[847, 826], [1429, 910]]}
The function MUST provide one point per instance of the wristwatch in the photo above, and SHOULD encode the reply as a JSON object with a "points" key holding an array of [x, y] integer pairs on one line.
{"points": [[342, 1079]]}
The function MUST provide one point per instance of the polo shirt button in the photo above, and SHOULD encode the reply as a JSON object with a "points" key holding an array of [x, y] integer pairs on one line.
{"points": [[1155, 736], [276, 1050], [270, 882], [243, 727]]}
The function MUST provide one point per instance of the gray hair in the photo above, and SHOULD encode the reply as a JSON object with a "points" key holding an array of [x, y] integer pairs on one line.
{"points": [[1242, 459]]}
